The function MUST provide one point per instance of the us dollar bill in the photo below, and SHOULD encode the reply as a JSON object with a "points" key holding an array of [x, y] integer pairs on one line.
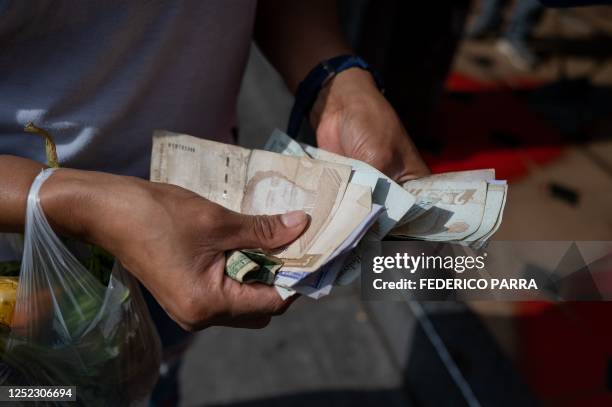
{"points": [[252, 266]]}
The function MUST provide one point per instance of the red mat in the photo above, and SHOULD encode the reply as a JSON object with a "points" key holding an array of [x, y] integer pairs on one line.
{"points": [[467, 129]]}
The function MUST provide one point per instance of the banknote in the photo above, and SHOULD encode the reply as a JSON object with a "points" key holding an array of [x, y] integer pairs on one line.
{"points": [[457, 213], [281, 143], [291, 279], [351, 268], [284, 292], [278, 183], [420, 207], [493, 215], [433, 188], [253, 182], [238, 264], [425, 203], [487, 174], [320, 284], [354, 208], [432, 218], [249, 266]]}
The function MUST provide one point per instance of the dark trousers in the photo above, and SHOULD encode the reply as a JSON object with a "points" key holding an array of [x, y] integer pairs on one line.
{"points": [[525, 16]]}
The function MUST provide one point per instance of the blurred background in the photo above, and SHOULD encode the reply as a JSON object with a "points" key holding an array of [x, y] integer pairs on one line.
{"points": [[508, 85]]}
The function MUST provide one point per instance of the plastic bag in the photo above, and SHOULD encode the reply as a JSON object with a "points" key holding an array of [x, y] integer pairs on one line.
{"points": [[69, 329]]}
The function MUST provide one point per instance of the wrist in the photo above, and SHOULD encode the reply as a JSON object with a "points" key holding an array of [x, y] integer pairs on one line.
{"points": [[84, 205], [61, 198], [354, 88]]}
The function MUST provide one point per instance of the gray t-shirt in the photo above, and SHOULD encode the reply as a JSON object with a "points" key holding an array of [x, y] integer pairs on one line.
{"points": [[101, 75]]}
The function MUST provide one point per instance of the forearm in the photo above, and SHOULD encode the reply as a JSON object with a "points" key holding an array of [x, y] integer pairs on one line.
{"points": [[59, 196], [16, 177], [76, 203], [295, 35]]}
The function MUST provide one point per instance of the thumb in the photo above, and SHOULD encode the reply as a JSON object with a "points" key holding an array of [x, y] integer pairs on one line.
{"points": [[266, 231]]}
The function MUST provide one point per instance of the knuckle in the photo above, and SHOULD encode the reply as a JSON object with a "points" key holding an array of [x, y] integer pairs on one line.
{"points": [[263, 227], [379, 157], [383, 158], [386, 162]]}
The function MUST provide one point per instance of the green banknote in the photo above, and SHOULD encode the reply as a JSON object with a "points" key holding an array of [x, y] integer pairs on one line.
{"points": [[251, 266]]}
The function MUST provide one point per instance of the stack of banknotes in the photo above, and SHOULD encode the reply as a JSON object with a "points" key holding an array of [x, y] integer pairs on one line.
{"points": [[348, 202]]}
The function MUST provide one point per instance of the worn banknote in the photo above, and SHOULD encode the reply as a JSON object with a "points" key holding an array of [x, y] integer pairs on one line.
{"points": [[256, 182], [457, 206]]}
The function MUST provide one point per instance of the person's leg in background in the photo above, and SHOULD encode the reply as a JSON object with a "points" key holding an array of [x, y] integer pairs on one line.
{"points": [[488, 20], [514, 43]]}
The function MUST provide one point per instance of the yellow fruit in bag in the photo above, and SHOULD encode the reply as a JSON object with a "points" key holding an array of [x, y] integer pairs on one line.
{"points": [[8, 296]]}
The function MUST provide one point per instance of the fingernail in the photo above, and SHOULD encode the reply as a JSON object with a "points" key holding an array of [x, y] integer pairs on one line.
{"points": [[293, 219]]}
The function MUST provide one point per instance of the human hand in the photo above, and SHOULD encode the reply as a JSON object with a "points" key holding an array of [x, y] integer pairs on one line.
{"points": [[352, 118], [174, 242]]}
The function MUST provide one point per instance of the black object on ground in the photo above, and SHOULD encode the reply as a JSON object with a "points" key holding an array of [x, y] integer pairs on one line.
{"points": [[564, 193]]}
